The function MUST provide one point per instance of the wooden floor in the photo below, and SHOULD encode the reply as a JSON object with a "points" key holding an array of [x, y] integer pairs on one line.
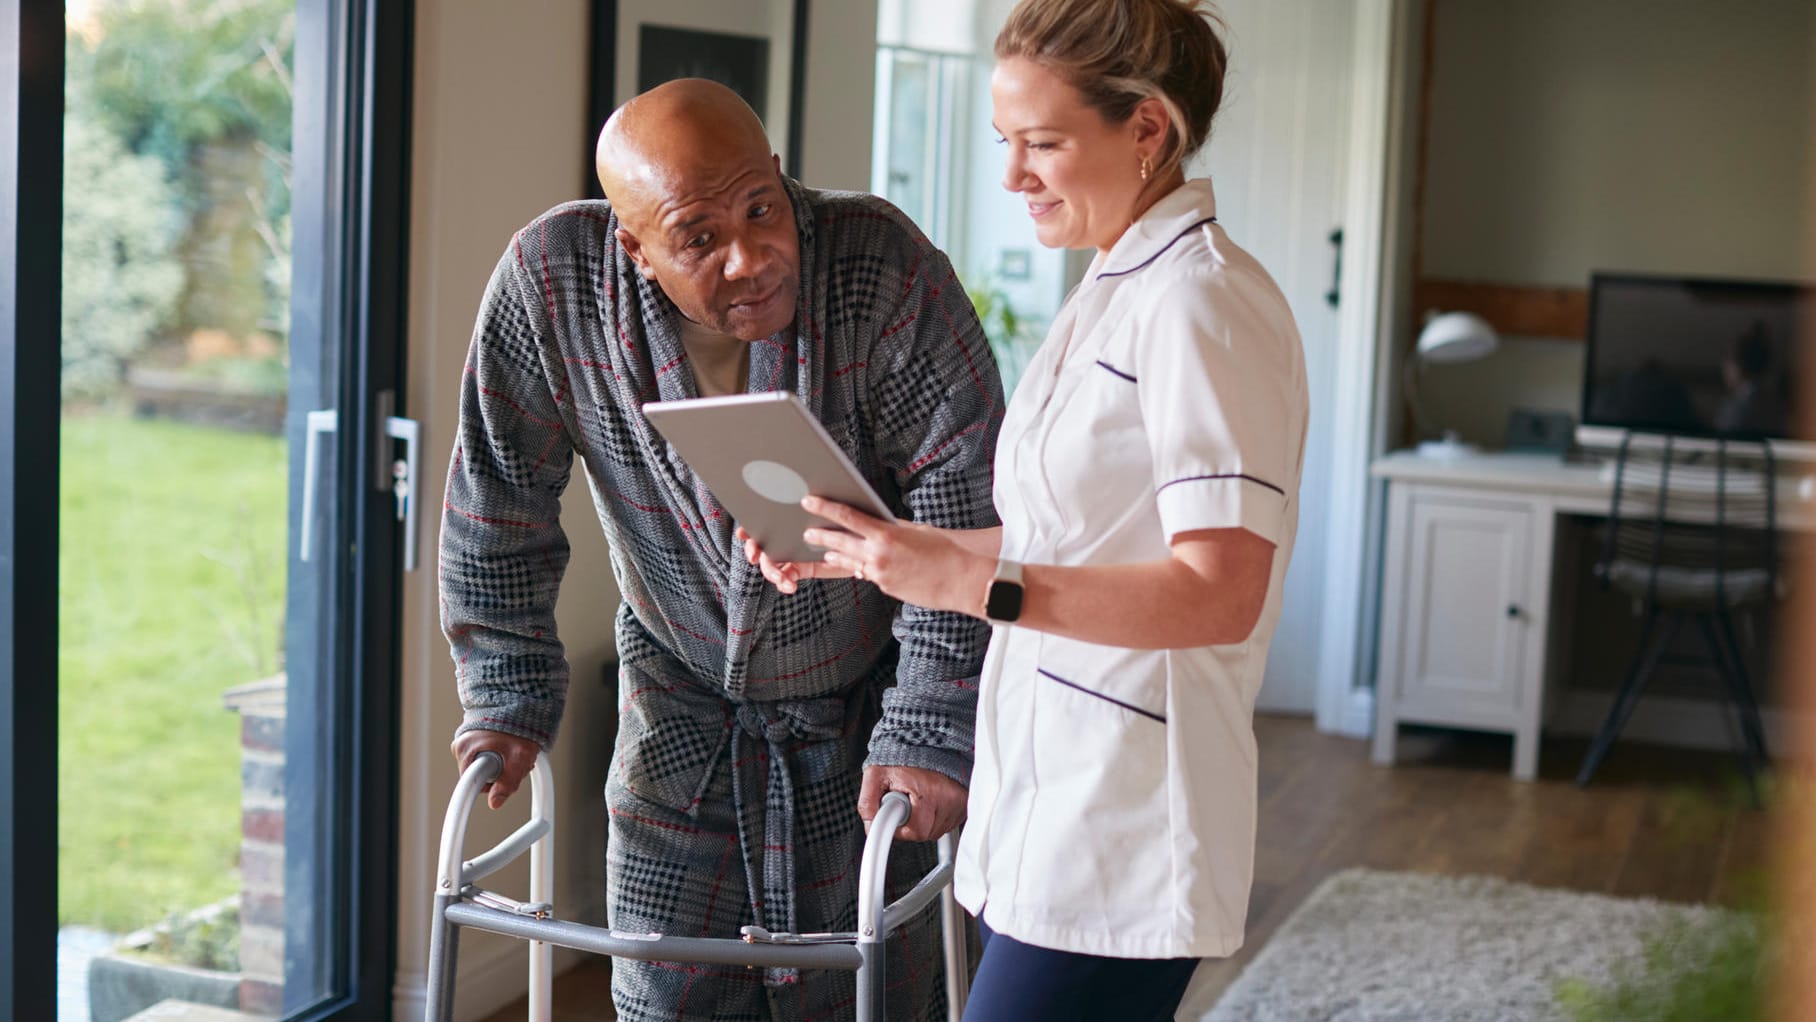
{"points": [[1657, 822]]}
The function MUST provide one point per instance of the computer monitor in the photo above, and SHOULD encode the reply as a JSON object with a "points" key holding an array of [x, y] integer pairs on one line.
{"points": [[1700, 357]]}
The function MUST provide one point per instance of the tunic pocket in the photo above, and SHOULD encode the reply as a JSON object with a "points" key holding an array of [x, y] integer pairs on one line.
{"points": [[1097, 817], [1132, 679], [1131, 707]]}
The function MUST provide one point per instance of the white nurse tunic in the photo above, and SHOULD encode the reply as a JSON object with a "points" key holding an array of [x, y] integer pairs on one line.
{"points": [[1112, 804]]}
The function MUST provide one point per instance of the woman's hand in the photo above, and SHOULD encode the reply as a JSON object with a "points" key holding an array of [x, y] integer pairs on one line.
{"points": [[916, 564], [786, 576]]}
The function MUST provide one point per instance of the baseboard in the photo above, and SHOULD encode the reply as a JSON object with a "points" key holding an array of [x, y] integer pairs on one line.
{"points": [[1353, 715], [486, 984], [1359, 714], [1674, 721]]}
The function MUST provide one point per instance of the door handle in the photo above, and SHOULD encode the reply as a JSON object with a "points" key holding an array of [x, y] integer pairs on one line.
{"points": [[1336, 271], [399, 476], [395, 474], [319, 422], [403, 479]]}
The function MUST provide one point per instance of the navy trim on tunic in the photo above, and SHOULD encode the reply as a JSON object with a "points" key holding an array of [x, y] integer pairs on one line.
{"points": [[1132, 708], [1116, 371], [1163, 251], [1225, 475]]}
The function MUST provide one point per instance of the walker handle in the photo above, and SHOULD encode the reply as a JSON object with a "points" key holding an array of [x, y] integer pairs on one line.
{"points": [[452, 877]]}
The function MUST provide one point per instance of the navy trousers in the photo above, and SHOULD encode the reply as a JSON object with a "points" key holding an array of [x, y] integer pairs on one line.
{"points": [[1019, 982]]}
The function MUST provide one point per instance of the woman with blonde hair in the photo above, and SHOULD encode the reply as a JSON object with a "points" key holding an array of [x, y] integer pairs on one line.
{"points": [[1147, 475]]}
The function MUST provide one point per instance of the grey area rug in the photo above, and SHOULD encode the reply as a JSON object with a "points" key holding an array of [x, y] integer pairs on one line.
{"points": [[1369, 946]]}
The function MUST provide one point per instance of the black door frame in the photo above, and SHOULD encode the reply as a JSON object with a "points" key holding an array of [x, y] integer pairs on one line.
{"points": [[31, 232], [351, 279]]}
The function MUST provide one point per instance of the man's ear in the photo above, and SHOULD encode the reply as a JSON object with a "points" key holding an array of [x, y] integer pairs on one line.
{"points": [[634, 248]]}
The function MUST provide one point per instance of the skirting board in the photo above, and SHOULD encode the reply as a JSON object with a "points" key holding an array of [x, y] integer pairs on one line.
{"points": [[1673, 721], [486, 985], [1353, 715], [1359, 714], [1658, 720]]}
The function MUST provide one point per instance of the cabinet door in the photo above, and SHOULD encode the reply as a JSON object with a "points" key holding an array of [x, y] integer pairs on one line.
{"points": [[1466, 619]]}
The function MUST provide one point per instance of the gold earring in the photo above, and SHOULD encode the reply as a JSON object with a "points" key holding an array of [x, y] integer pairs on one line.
{"points": [[1146, 168]]}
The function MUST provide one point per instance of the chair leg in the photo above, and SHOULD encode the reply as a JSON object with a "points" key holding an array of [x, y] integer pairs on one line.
{"points": [[1743, 684], [1748, 746], [1645, 660], [1746, 706]]}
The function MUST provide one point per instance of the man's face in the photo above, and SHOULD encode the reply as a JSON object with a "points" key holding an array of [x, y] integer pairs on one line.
{"points": [[719, 238]]}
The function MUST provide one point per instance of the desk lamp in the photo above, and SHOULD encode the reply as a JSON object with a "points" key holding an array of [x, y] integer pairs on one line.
{"points": [[1448, 337]]}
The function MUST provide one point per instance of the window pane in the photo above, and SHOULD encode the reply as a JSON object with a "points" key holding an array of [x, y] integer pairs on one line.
{"points": [[175, 501], [932, 164], [909, 125]]}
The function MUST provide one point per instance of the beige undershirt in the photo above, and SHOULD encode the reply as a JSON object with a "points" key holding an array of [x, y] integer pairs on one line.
{"points": [[721, 362]]}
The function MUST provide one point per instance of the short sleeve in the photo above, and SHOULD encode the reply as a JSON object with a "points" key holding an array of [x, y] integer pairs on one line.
{"points": [[1221, 377]]}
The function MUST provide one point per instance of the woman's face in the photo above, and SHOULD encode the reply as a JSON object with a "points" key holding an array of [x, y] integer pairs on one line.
{"points": [[1080, 174]]}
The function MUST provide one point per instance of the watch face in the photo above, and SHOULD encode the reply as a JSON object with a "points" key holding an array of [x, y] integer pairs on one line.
{"points": [[1004, 602]]}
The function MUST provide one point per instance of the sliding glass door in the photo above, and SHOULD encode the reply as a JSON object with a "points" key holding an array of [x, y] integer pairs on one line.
{"points": [[211, 457]]}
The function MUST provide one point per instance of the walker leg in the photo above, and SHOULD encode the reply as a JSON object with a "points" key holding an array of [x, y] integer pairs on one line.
{"points": [[870, 981], [444, 951], [542, 890], [542, 981], [954, 942]]}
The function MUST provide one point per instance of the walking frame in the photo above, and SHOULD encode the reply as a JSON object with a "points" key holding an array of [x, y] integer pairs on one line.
{"points": [[459, 903]]}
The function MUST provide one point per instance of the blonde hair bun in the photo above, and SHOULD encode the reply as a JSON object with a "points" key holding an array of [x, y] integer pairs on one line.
{"points": [[1117, 53]]}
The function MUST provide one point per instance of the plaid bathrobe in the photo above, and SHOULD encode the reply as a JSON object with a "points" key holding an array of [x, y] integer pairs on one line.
{"points": [[745, 716]]}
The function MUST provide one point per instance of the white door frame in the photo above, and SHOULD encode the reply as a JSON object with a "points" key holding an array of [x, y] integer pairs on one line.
{"points": [[1363, 348]]}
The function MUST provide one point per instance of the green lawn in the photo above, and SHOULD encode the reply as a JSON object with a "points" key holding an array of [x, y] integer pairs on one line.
{"points": [[170, 592]]}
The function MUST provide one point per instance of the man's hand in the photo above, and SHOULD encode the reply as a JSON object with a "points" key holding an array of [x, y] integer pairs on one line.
{"points": [[519, 755], [938, 801], [786, 576]]}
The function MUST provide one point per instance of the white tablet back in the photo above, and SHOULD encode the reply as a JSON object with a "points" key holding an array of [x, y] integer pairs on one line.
{"points": [[760, 454]]}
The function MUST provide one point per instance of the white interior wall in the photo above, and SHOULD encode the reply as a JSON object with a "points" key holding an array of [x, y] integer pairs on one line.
{"points": [[498, 119], [1568, 136], [1395, 323], [841, 95], [499, 108]]}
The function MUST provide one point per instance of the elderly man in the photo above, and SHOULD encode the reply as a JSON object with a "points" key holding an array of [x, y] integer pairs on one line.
{"points": [[755, 728]]}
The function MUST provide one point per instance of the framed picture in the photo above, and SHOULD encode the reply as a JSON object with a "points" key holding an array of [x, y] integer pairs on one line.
{"points": [[738, 61], [758, 48]]}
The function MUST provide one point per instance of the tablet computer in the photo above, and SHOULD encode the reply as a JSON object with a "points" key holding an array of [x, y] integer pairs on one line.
{"points": [[760, 454]]}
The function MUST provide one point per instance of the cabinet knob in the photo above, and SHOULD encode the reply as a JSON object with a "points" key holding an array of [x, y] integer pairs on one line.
{"points": [[1513, 610]]}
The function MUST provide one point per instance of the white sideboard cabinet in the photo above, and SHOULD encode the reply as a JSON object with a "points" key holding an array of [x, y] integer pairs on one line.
{"points": [[1465, 608], [1475, 624]]}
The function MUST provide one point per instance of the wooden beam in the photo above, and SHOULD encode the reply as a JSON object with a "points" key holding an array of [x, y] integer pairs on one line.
{"points": [[1556, 312]]}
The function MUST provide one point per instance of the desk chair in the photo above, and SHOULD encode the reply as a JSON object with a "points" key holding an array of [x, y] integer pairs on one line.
{"points": [[1690, 536]]}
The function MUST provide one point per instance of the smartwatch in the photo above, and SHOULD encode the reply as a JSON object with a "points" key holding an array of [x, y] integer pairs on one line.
{"points": [[1003, 599]]}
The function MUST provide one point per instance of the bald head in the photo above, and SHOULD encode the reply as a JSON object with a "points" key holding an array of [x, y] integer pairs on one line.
{"points": [[701, 207], [674, 133]]}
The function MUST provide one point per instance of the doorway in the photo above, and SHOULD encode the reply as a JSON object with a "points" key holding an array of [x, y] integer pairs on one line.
{"points": [[224, 320]]}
